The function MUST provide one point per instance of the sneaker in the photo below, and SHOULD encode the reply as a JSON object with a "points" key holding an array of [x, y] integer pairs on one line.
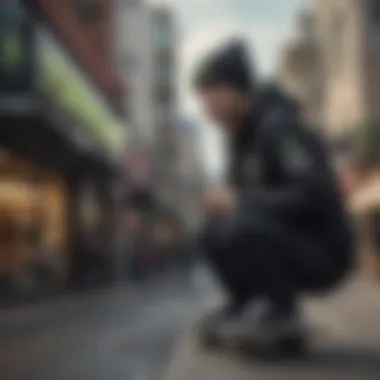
{"points": [[264, 331], [211, 324]]}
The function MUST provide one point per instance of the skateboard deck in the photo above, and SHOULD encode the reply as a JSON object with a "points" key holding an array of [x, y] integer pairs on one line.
{"points": [[247, 348]]}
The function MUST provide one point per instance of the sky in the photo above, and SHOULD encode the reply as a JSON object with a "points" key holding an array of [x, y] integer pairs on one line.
{"points": [[202, 24]]}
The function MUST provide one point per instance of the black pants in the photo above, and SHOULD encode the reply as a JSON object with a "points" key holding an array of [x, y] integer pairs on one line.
{"points": [[271, 260]]}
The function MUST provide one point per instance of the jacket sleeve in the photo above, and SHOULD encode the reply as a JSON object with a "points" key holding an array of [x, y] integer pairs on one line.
{"points": [[306, 186], [306, 179]]}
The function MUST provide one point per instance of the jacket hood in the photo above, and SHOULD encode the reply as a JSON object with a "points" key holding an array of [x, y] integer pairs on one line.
{"points": [[273, 96]]}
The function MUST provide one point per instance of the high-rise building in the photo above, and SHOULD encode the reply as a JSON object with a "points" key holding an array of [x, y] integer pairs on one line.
{"points": [[332, 66], [145, 52], [133, 49], [349, 40], [300, 70], [165, 99], [341, 32]]}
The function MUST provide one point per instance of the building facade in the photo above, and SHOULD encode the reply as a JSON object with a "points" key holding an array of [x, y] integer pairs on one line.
{"points": [[300, 70], [341, 29], [60, 135], [87, 29], [145, 50], [165, 100], [133, 50], [349, 33], [333, 66], [190, 170]]}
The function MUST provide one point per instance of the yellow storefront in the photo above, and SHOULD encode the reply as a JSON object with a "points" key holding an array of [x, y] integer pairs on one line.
{"points": [[61, 142], [32, 219]]}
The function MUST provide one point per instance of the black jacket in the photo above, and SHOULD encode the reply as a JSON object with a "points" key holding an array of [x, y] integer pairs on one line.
{"points": [[279, 166]]}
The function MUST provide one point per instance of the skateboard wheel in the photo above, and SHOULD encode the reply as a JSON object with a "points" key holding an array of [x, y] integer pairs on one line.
{"points": [[208, 340], [271, 350]]}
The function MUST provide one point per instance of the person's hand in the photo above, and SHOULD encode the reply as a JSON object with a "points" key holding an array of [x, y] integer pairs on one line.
{"points": [[218, 202], [133, 222]]}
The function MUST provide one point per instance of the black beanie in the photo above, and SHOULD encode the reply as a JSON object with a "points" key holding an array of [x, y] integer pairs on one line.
{"points": [[230, 64]]}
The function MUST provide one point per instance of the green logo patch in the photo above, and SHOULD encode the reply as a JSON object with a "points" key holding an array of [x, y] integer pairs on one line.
{"points": [[294, 154]]}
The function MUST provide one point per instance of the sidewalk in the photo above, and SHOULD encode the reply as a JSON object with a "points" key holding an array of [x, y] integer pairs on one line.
{"points": [[346, 345], [117, 333]]}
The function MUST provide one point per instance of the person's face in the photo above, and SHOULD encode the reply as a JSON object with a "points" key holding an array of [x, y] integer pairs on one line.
{"points": [[224, 105]]}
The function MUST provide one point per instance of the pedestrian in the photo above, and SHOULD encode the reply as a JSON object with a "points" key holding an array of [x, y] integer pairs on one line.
{"points": [[279, 228]]}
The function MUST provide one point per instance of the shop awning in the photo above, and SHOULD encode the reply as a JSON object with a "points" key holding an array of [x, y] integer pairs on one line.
{"points": [[40, 79], [70, 91], [367, 196]]}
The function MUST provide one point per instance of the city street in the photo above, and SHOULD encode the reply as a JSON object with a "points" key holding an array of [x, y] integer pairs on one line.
{"points": [[146, 332], [139, 136], [125, 333], [344, 345]]}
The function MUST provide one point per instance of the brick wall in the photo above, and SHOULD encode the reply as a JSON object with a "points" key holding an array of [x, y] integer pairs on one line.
{"points": [[89, 39]]}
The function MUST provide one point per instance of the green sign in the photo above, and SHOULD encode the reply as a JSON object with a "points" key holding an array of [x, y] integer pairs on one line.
{"points": [[63, 80]]}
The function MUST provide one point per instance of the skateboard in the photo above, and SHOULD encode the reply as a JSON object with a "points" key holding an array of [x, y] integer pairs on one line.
{"points": [[247, 348], [285, 348]]}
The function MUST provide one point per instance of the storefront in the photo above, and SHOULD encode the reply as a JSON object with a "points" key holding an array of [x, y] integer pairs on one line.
{"points": [[32, 222], [60, 142]]}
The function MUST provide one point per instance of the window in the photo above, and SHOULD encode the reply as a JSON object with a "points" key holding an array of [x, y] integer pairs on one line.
{"points": [[336, 53], [89, 10], [375, 20]]}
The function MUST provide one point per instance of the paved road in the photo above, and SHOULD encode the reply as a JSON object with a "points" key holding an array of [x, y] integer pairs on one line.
{"points": [[130, 331], [124, 333]]}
